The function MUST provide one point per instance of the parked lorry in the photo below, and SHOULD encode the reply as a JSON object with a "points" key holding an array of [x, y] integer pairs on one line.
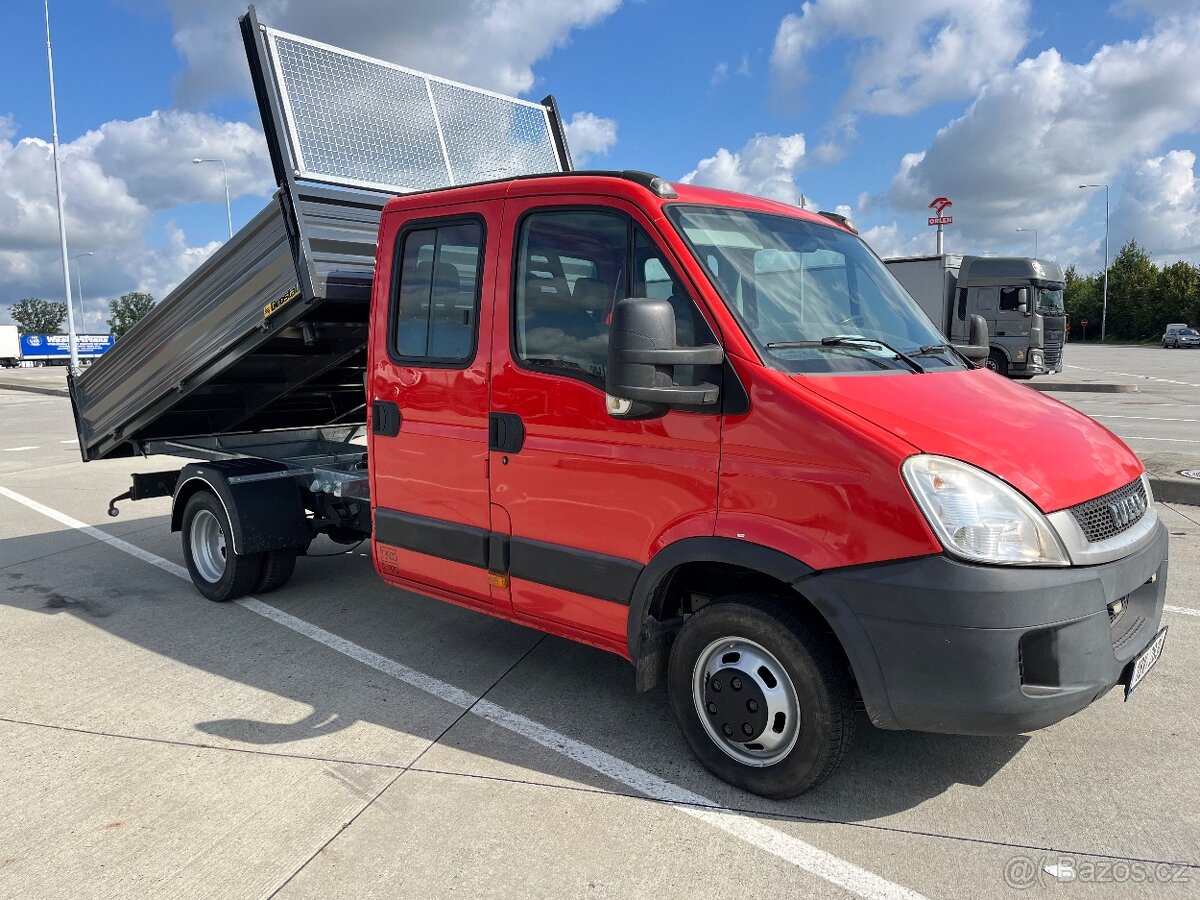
{"points": [[55, 349], [1019, 297], [10, 346], [706, 432]]}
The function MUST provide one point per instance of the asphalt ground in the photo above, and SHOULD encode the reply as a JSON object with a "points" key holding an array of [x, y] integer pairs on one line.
{"points": [[340, 738]]}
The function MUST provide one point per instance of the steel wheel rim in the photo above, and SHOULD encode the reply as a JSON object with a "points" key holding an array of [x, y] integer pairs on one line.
{"points": [[758, 667], [993, 365], [208, 546]]}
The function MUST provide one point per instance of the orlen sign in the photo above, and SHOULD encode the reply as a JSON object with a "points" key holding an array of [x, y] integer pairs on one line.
{"points": [[939, 206]]}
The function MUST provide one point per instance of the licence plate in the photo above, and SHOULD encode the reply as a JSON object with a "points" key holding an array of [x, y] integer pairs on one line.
{"points": [[1144, 662]]}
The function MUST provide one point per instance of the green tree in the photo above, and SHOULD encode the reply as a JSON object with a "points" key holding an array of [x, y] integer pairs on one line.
{"points": [[127, 310], [1177, 297], [1082, 298], [1132, 286], [34, 316]]}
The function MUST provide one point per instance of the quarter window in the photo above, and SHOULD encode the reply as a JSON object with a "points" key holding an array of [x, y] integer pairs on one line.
{"points": [[437, 298]]}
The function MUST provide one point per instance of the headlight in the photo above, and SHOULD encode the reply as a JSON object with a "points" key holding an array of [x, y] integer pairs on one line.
{"points": [[978, 517]]}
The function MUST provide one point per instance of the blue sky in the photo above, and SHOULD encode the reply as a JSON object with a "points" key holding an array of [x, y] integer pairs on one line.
{"points": [[1005, 106]]}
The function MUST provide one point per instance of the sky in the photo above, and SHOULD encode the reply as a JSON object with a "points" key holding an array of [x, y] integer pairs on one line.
{"points": [[869, 107]]}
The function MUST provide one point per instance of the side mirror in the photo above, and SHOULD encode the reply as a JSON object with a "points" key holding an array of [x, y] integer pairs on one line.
{"points": [[980, 345], [1023, 301], [642, 357]]}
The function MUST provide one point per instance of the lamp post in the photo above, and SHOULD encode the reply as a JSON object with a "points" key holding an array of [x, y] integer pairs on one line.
{"points": [[1104, 308], [79, 281], [225, 174], [62, 219], [1034, 230]]}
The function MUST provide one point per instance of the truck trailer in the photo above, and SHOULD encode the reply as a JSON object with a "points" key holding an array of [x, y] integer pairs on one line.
{"points": [[1019, 297], [704, 431], [10, 347]]}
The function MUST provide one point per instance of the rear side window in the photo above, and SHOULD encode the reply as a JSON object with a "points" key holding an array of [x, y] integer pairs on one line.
{"points": [[437, 293]]}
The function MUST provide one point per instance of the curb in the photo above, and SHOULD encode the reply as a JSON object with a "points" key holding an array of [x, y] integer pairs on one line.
{"points": [[1175, 490], [34, 389], [1085, 387]]}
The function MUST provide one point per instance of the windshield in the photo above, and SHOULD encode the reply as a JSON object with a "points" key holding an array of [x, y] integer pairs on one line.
{"points": [[1050, 302], [795, 285]]}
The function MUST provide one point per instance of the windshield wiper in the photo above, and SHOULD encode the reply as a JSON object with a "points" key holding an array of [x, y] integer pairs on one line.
{"points": [[849, 340]]}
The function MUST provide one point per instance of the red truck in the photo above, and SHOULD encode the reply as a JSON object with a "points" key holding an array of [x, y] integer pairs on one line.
{"points": [[704, 431]]}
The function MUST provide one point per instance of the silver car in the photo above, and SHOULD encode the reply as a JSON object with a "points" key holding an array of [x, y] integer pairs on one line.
{"points": [[1181, 337]]}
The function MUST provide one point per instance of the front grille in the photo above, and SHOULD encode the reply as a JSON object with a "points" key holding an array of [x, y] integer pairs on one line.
{"points": [[1113, 513], [1052, 352]]}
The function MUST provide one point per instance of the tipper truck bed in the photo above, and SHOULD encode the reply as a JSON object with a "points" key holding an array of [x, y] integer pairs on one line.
{"points": [[270, 332]]}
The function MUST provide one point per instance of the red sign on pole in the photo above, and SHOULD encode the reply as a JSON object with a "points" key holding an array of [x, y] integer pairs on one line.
{"points": [[1083, 322]]}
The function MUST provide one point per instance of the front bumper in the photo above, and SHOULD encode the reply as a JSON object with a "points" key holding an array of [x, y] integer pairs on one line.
{"points": [[941, 645]]}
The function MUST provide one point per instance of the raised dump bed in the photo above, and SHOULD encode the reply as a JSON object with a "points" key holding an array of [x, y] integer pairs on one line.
{"points": [[270, 332]]}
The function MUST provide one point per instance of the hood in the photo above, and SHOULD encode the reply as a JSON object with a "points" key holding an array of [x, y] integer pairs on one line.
{"points": [[1051, 453]]}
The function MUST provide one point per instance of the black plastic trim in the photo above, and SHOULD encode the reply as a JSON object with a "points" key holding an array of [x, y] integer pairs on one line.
{"points": [[506, 432], [579, 571], [433, 537], [385, 418]]}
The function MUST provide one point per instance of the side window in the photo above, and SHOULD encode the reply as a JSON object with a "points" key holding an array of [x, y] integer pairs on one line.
{"points": [[437, 293], [570, 269], [652, 278], [1010, 298], [962, 304], [572, 266]]}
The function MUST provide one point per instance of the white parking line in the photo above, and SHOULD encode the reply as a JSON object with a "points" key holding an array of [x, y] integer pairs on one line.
{"points": [[71, 441], [847, 875], [1182, 609], [1129, 437], [1135, 375], [16, 449], [1139, 418]]}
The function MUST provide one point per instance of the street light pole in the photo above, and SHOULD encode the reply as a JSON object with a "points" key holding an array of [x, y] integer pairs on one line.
{"points": [[225, 174], [62, 219], [79, 282], [1034, 230], [1104, 308]]}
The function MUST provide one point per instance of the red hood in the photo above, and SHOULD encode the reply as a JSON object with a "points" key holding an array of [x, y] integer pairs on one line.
{"points": [[1054, 455]]}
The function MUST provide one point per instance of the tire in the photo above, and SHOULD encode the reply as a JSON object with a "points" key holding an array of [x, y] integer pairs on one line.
{"points": [[217, 572], [997, 363], [278, 566], [794, 753]]}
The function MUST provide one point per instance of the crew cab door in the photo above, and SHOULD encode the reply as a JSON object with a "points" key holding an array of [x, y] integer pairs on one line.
{"points": [[428, 390], [588, 499]]}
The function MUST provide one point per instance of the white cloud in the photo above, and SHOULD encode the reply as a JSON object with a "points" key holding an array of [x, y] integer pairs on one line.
{"points": [[589, 135], [766, 166], [908, 55], [720, 75], [1160, 206], [114, 179], [490, 43], [1018, 154]]}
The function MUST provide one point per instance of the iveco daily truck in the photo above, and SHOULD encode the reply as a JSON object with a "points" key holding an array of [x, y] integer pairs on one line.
{"points": [[707, 432], [1019, 297]]}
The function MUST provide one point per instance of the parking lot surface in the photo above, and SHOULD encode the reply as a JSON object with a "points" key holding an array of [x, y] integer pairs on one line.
{"points": [[341, 738]]}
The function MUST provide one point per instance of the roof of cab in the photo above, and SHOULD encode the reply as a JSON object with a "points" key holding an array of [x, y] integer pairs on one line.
{"points": [[629, 184]]}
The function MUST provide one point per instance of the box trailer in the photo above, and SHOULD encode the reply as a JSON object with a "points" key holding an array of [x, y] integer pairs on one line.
{"points": [[10, 346]]}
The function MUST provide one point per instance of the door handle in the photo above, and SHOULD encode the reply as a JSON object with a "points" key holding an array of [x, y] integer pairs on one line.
{"points": [[506, 432], [385, 418]]}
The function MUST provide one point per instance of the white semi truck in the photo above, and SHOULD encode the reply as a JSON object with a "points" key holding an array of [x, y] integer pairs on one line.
{"points": [[1021, 299], [10, 346]]}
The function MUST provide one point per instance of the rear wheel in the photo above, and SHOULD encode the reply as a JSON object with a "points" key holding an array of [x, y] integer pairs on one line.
{"points": [[997, 363], [763, 699], [278, 567], [217, 571]]}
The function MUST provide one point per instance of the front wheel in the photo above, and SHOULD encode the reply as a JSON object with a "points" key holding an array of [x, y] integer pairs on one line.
{"points": [[764, 700], [218, 573], [997, 363]]}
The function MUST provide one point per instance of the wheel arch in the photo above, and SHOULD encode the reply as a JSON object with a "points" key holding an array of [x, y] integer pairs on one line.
{"points": [[263, 515]]}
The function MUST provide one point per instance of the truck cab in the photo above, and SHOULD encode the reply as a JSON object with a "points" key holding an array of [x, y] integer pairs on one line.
{"points": [[709, 433], [1020, 299]]}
